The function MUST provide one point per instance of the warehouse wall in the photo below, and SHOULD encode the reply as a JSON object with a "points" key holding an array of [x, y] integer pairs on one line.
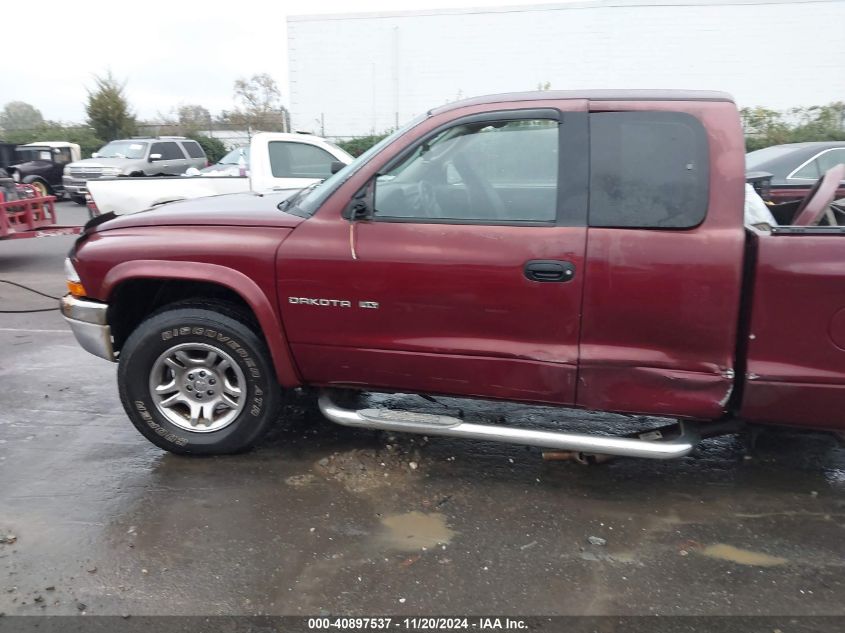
{"points": [[362, 73]]}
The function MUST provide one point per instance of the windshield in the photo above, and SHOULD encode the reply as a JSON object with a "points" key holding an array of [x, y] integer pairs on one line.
{"points": [[310, 203], [754, 159], [123, 149], [234, 157], [26, 154]]}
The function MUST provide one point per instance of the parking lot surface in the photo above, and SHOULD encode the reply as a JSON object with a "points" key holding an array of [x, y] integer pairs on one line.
{"points": [[321, 519]]}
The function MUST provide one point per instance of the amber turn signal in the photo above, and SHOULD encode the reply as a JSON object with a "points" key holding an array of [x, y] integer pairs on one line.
{"points": [[75, 288]]}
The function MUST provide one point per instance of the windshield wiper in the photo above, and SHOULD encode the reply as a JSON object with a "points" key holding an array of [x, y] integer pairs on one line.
{"points": [[288, 203]]}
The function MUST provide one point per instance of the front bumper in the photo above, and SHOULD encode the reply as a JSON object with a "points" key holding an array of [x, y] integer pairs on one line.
{"points": [[88, 323], [75, 186]]}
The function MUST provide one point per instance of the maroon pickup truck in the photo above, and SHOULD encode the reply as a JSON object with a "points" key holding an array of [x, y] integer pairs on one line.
{"points": [[575, 249]]}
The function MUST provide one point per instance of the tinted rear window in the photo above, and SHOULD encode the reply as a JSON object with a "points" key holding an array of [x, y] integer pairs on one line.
{"points": [[648, 170], [169, 150], [193, 148]]}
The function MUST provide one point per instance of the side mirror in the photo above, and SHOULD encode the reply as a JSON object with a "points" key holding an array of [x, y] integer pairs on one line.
{"points": [[95, 155], [361, 206], [337, 166], [154, 157]]}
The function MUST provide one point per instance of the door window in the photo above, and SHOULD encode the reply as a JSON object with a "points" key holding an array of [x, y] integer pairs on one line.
{"points": [[500, 171], [648, 170], [299, 160], [810, 171], [817, 167], [62, 156], [831, 158], [168, 151]]}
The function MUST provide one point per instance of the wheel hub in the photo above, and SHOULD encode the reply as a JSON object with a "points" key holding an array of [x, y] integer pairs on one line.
{"points": [[198, 387]]}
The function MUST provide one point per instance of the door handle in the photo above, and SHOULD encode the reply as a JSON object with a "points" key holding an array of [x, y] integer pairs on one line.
{"points": [[549, 270]]}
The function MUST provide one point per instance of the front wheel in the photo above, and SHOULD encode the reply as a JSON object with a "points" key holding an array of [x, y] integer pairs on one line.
{"points": [[195, 378], [79, 199], [41, 188]]}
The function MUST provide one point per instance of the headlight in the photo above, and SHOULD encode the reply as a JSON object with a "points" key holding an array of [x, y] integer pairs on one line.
{"points": [[74, 283], [112, 171], [66, 172], [16, 176]]}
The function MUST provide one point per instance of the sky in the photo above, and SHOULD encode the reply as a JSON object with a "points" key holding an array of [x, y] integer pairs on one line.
{"points": [[169, 53]]}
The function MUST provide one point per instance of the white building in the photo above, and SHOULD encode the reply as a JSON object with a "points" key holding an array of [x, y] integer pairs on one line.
{"points": [[354, 74]]}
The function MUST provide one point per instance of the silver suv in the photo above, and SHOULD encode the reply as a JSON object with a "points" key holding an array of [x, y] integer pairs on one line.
{"points": [[161, 156]]}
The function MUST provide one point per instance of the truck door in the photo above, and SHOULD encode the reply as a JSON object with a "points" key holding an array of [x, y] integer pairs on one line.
{"points": [[468, 277], [288, 164], [664, 258]]}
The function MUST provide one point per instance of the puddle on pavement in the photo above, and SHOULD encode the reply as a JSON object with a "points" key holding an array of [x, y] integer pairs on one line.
{"points": [[722, 551], [414, 530]]}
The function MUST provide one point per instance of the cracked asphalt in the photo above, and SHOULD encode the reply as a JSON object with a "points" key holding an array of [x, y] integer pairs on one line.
{"points": [[321, 519]]}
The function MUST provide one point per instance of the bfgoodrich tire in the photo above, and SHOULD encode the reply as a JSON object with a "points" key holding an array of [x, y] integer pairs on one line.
{"points": [[196, 379]]}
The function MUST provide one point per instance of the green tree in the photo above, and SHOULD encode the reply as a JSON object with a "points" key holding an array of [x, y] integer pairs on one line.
{"points": [[819, 123], [84, 136], [108, 109], [213, 147], [360, 144], [764, 127], [19, 115]]}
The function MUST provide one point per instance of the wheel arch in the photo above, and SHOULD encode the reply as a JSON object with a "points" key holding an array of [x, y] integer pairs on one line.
{"points": [[136, 289], [28, 180]]}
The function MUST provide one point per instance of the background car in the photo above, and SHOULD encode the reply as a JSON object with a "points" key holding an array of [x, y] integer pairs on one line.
{"points": [[230, 165], [795, 167], [41, 165], [161, 156]]}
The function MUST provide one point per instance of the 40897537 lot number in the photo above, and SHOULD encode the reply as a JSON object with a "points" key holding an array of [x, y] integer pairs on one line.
{"points": [[416, 624]]}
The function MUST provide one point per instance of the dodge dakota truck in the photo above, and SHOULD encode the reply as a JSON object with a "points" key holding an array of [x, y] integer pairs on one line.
{"points": [[572, 249]]}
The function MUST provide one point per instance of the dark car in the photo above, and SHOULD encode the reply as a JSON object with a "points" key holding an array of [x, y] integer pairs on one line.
{"points": [[795, 167], [42, 165], [7, 154]]}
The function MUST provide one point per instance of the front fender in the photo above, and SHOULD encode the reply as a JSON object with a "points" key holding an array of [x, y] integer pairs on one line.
{"points": [[246, 288]]}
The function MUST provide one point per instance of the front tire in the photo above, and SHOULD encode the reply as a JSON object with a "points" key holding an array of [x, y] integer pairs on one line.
{"points": [[41, 188], [80, 200], [195, 378]]}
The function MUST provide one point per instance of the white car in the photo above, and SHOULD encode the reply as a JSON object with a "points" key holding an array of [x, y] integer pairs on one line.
{"points": [[272, 161]]}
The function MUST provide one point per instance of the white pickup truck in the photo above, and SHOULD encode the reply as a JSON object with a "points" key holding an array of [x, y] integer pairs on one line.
{"points": [[272, 161]]}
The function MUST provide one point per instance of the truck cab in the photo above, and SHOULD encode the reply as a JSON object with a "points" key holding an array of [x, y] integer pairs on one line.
{"points": [[576, 249]]}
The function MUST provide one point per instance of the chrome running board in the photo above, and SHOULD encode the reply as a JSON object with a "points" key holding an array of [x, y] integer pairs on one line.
{"points": [[435, 424]]}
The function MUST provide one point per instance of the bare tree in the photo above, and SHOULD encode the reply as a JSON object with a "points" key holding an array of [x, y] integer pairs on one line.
{"points": [[259, 104], [193, 117]]}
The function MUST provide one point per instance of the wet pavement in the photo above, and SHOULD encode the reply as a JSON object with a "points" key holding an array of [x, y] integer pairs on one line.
{"points": [[321, 519]]}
